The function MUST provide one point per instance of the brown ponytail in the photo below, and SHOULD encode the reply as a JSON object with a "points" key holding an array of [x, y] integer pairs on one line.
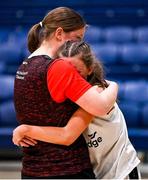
{"points": [[63, 17], [33, 38]]}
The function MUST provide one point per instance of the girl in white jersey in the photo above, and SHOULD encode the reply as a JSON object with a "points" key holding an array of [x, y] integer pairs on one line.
{"points": [[111, 153]]}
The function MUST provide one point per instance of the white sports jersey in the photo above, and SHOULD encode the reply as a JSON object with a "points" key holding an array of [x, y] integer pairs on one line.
{"points": [[112, 154]]}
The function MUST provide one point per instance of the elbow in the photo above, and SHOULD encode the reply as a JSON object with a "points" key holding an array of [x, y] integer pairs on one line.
{"points": [[68, 138], [68, 141], [103, 110]]}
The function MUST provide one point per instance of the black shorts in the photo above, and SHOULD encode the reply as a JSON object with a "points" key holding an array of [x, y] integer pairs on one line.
{"points": [[134, 174]]}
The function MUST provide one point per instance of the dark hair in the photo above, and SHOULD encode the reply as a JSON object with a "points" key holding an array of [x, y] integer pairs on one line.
{"points": [[63, 17], [73, 48], [97, 77]]}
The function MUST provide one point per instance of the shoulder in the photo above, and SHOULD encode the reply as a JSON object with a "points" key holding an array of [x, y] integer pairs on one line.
{"points": [[61, 65]]}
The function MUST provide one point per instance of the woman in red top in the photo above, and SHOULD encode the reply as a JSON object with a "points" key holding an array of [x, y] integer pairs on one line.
{"points": [[47, 92]]}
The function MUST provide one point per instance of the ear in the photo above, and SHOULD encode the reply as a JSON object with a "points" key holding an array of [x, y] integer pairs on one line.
{"points": [[59, 34]]}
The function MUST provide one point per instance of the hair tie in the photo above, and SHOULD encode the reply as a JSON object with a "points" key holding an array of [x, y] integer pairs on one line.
{"points": [[41, 24]]}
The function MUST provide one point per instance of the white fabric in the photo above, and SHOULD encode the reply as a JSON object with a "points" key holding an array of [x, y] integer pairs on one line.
{"points": [[112, 154]]}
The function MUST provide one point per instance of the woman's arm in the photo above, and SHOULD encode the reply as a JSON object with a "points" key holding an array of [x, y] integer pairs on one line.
{"points": [[56, 135]]}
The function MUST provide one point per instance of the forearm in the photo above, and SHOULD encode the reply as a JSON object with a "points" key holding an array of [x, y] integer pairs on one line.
{"points": [[55, 135]]}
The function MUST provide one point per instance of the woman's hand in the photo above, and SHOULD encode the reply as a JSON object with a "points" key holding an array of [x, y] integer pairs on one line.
{"points": [[20, 138]]}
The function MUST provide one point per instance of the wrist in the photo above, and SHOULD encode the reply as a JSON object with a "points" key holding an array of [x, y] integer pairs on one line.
{"points": [[23, 129]]}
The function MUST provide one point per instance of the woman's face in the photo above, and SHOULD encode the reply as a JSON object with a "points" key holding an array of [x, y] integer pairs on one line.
{"points": [[74, 35], [78, 63], [61, 37]]}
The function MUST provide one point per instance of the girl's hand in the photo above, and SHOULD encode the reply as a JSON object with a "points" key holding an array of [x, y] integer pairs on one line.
{"points": [[19, 137], [27, 141]]}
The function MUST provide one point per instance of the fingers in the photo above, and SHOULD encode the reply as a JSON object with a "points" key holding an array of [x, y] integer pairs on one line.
{"points": [[29, 141], [33, 140], [25, 142]]}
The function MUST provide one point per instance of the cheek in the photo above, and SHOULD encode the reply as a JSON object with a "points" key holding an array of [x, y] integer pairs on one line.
{"points": [[70, 36], [82, 70], [84, 73], [66, 37]]}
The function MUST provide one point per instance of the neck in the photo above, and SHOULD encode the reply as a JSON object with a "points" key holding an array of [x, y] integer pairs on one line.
{"points": [[46, 48]]}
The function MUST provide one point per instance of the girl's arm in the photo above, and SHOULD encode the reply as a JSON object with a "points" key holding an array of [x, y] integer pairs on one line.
{"points": [[96, 103], [56, 135]]}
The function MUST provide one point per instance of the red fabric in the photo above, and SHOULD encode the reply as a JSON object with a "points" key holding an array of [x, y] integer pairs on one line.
{"points": [[65, 82]]}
